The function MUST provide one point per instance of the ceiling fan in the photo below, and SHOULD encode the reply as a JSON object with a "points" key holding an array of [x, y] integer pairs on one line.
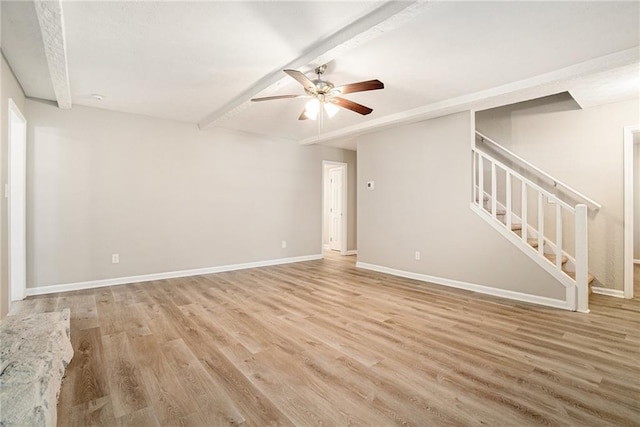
{"points": [[325, 95]]}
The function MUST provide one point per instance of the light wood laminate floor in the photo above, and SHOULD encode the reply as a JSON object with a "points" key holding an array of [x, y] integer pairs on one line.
{"points": [[322, 342]]}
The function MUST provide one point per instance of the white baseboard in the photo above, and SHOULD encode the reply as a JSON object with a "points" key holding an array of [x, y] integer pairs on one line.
{"points": [[352, 252], [608, 292], [503, 293], [42, 290]]}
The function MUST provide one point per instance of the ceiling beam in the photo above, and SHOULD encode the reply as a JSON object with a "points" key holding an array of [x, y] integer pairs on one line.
{"points": [[51, 23], [524, 90], [387, 17]]}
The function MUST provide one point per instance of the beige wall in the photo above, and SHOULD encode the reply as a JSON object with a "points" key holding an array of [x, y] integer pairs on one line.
{"points": [[10, 90], [636, 196], [164, 195], [421, 199], [583, 148]]}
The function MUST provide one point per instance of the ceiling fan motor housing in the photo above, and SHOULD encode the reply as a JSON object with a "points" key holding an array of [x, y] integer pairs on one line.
{"points": [[321, 88]]}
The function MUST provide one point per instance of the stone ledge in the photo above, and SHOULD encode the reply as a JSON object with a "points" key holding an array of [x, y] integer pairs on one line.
{"points": [[35, 350]]}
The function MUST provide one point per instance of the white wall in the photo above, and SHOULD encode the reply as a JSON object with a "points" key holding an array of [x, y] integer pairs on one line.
{"points": [[583, 148], [10, 89], [422, 176], [164, 195]]}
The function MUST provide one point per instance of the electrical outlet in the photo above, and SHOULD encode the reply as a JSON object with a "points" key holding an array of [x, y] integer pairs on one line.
{"points": [[115, 258], [284, 244], [417, 256], [371, 185]]}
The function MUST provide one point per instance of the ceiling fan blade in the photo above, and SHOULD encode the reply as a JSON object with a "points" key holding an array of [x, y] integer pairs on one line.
{"points": [[269, 98], [302, 79], [353, 106], [303, 116], [359, 87]]}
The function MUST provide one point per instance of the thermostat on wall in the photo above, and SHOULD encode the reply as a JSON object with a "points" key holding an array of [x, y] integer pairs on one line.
{"points": [[370, 185]]}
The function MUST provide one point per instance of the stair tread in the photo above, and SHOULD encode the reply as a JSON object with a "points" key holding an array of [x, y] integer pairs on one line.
{"points": [[499, 210], [552, 258], [572, 274], [516, 226], [533, 242]]}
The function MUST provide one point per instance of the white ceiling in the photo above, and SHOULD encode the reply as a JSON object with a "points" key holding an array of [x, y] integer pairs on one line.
{"points": [[191, 61]]}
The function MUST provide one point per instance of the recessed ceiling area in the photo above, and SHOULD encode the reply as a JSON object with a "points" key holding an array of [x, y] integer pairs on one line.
{"points": [[190, 61]]}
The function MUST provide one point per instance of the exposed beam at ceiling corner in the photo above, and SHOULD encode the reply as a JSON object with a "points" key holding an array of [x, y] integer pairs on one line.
{"points": [[387, 17], [51, 22], [536, 87]]}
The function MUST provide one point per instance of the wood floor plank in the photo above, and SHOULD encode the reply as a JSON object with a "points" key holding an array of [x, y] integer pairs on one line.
{"points": [[142, 417], [214, 405], [322, 342], [86, 378], [166, 394], [255, 406], [126, 385], [84, 314], [97, 412]]}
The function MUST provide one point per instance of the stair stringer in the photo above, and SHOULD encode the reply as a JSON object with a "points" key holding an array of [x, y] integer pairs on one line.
{"points": [[570, 287]]}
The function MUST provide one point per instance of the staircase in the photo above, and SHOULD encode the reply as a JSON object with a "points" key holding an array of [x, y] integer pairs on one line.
{"points": [[543, 217]]}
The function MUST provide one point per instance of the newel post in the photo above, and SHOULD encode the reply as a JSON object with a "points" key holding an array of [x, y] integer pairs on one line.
{"points": [[582, 260]]}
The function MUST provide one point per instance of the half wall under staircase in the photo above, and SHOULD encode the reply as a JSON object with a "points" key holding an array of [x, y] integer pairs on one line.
{"points": [[543, 217]]}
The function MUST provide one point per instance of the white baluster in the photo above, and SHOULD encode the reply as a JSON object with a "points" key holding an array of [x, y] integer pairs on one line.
{"points": [[508, 190], [524, 212], [582, 262], [494, 190], [558, 236], [480, 181], [474, 190], [540, 224]]}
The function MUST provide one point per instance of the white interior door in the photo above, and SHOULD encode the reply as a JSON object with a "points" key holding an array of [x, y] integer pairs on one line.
{"points": [[17, 203], [335, 209]]}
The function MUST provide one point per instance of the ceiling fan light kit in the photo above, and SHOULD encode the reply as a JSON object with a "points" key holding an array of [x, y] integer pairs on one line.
{"points": [[312, 108], [331, 109], [324, 95]]}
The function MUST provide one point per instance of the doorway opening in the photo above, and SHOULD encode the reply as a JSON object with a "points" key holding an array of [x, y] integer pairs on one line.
{"points": [[631, 207], [334, 206], [16, 193]]}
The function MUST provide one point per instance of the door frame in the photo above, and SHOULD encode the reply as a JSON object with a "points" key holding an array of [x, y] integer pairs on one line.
{"points": [[345, 175], [17, 256], [629, 132]]}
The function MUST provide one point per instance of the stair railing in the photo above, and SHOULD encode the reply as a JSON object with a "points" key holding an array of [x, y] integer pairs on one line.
{"points": [[577, 289], [592, 204]]}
